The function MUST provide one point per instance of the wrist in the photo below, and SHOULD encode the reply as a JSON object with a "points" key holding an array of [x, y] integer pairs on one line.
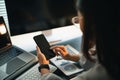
{"points": [[67, 57], [44, 71], [43, 66]]}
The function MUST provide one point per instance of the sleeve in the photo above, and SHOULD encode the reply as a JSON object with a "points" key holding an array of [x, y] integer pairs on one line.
{"points": [[86, 64], [50, 76], [97, 72]]}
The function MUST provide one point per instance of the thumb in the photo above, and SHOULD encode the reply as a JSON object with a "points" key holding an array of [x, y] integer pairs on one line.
{"points": [[38, 50]]}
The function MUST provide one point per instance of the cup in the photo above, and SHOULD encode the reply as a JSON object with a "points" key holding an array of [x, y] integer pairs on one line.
{"points": [[75, 21]]}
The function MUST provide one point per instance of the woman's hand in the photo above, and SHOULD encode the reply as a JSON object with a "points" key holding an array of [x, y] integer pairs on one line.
{"points": [[60, 50], [42, 60], [41, 57]]}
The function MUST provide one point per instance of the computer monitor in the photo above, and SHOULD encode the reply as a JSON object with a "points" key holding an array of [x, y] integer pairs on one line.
{"points": [[26, 16]]}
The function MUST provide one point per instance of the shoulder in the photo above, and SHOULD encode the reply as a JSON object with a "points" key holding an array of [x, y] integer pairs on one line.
{"points": [[97, 72]]}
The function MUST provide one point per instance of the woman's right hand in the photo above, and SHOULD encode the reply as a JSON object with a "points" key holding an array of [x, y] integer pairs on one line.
{"points": [[60, 50]]}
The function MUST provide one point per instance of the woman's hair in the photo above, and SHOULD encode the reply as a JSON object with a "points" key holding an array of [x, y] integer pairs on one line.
{"points": [[102, 28]]}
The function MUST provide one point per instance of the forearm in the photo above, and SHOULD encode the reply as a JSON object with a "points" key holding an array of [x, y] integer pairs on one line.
{"points": [[44, 71], [50, 76]]}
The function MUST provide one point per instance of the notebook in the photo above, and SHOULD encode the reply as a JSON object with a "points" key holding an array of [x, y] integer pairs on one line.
{"points": [[13, 60], [69, 68]]}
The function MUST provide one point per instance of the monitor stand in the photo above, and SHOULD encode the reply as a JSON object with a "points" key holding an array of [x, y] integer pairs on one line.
{"points": [[47, 32]]}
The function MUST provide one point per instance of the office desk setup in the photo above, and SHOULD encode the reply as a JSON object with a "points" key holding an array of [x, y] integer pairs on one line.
{"points": [[59, 36]]}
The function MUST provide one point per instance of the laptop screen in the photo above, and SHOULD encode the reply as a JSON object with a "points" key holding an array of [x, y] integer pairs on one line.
{"points": [[5, 41]]}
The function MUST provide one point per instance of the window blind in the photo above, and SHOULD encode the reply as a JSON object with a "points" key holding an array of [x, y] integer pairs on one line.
{"points": [[3, 13]]}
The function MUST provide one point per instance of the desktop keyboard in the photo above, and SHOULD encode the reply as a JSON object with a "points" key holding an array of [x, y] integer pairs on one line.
{"points": [[33, 73]]}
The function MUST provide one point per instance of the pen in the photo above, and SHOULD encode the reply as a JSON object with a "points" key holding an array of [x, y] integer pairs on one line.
{"points": [[59, 57], [53, 42]]}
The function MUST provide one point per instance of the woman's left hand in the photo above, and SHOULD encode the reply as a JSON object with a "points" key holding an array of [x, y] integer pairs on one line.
{"points": [[42, 60], [41, 57]]}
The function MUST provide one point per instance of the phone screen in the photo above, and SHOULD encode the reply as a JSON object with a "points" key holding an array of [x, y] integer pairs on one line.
{"points": [[44, 46]]}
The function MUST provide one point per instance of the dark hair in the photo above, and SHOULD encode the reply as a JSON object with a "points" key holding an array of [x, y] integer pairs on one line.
{"points": [[102, 27]]}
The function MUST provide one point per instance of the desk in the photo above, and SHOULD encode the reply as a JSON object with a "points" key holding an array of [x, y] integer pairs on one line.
{"points": [[26, 42], [67, 35]]}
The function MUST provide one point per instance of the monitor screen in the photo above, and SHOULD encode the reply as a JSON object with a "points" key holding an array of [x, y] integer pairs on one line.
{"points": [[26, 16]]}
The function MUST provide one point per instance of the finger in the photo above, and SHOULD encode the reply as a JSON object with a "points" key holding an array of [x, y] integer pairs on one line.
{"points": [[52, 47], [38, 51], [61, 47], [59, 51], [55, 52]]}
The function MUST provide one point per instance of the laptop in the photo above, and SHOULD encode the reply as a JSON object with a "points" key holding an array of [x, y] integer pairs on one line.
{"points": [[13, 60]]}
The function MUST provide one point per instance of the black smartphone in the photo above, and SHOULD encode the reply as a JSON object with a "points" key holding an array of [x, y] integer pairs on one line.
{"points": [[43, 44]]}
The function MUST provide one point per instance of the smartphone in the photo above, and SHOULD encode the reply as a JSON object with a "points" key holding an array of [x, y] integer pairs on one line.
{"points": [[44, 46]]}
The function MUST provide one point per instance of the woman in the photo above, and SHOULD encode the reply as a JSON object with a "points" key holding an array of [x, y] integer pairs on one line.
{"points": [[101, 28]]}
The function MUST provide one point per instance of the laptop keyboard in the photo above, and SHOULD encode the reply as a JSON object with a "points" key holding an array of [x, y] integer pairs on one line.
{"points": [[33, 73], [8, 55]]}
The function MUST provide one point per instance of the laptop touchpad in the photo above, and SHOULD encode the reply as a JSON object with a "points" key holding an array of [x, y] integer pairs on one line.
{"points": [[12, 65]]}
